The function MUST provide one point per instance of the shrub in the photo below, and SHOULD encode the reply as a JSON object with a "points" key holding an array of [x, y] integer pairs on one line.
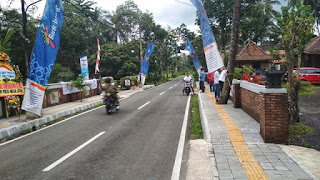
{"points": [[306, 88], [300, 129]]}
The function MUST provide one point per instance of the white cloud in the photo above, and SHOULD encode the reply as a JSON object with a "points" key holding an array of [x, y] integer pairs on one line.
{"points": [[165, 12]]}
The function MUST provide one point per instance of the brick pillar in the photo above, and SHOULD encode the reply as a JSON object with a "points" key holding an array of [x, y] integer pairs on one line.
{"points": [[274, 117], [236, 96]]}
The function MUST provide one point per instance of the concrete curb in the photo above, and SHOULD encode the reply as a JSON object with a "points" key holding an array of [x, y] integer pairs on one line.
{"points": [[145, 87], [298, 163], [18, 129], [207, 136]]}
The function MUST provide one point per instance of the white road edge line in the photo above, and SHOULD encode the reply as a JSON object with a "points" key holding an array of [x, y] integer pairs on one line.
{"points": [[72, 152], [144, 105], [15, 139], [177, 163], [161, 93]]}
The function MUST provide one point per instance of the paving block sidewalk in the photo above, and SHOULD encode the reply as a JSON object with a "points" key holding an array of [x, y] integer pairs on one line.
{"points": [[13, 126], [237, 148]]}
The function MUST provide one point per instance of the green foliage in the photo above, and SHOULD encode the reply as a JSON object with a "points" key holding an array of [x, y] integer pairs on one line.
{"points": [[276, 54], [300, 129], [78, 83], [306, 88], [60, 73], [296, 25], [196, 128], [237, 73], [5, 44], [247, 69]]}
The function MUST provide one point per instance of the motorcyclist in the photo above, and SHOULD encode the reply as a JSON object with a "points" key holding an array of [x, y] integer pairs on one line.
{"points": [[188, 79], [108, 87]]}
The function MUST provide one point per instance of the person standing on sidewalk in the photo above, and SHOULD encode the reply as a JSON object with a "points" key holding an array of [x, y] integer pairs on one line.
{"points": [[216, 85], [202, 79], [211, 80], [222, 78]]}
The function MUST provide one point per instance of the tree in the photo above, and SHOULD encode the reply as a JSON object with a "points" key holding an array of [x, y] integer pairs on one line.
{"points": [[5, 44], [60, 73], [78, 83], [220, 13], [297, 29], [233, 52], [257, 21], [126, 19], [315, 6]]}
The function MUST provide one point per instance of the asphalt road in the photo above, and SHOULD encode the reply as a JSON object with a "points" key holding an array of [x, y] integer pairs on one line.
{"points": [[138, 142]]}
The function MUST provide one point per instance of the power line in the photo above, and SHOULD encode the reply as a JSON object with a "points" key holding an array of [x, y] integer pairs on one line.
{"points": [[184, 3]]}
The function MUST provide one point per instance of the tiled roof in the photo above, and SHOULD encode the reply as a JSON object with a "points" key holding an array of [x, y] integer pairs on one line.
{"points": [[313, 47], [251, 52]]}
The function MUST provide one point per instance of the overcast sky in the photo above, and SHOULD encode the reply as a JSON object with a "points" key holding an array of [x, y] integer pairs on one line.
{"points": [[165, 12]]}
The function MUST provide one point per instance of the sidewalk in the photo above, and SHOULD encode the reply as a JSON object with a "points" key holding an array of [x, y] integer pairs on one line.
{"points": [[12, 126], [237, 150]]}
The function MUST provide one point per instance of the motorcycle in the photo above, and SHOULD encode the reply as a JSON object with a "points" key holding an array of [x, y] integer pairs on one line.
{"points": [[187, 88], [110, 103]]}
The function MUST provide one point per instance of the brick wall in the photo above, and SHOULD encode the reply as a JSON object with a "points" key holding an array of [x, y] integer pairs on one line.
{"points": [[61, 98], [269, 107], [250, 103], [274, 118]]}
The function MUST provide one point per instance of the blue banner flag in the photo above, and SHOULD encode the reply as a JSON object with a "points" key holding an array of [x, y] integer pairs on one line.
{"points": [[44, 55], [145, 63], [213, 58], [194, 57]]}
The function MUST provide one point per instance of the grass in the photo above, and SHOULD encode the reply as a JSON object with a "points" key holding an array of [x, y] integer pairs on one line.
{"points": [[300, 129], [306, 88], [195, 127]]}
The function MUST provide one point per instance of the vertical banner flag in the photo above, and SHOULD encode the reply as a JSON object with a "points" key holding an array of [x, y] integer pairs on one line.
{"points": [[194, 57], [84, 67], [211, 52], [43, 56], [98, 58], [145, 63]]}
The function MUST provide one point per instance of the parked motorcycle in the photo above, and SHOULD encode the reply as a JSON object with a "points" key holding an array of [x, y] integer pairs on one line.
{"points": [[110, 103], [187, 88]]}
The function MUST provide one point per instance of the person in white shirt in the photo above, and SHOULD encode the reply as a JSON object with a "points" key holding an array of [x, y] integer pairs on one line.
{"points": [[216, 85], [188, 78], [222, 78]]}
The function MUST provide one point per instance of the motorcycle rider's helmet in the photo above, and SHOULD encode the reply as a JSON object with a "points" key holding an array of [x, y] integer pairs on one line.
{"points": [[108, 80]]}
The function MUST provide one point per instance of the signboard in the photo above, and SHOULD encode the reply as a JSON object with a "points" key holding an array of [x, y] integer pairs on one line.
{"points": [[67, 89], [127, 82], [84, 67], [10, 84]]}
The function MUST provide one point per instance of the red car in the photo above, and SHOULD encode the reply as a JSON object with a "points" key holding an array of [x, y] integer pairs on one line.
{"points": [[310, 74]]}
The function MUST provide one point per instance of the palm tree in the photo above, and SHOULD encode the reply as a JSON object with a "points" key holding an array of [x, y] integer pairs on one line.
{"points": [[315, 6], [233, 51], [78, 83], [4, 45]]}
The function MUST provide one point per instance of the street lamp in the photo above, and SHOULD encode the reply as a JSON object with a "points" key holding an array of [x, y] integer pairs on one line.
{"points": [[24, 28]]}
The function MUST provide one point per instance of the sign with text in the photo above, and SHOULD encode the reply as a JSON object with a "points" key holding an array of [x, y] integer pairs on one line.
{"points": [[84, 67], [43, 56]]}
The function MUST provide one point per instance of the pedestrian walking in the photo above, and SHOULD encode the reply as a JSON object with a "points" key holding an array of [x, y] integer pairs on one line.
{"points": [[202, 79], [211, 80], [222, 78], [216, 85]]}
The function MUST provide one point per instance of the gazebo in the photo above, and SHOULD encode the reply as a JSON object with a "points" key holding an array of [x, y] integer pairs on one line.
{"points": [[252, 55], [311, 56]]}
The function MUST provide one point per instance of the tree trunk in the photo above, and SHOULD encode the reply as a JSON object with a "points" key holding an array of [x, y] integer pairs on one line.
{"points": [[293, 90], [233, 52]]}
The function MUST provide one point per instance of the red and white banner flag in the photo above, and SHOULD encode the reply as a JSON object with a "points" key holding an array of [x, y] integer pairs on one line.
{"points": [[98, 58]]}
